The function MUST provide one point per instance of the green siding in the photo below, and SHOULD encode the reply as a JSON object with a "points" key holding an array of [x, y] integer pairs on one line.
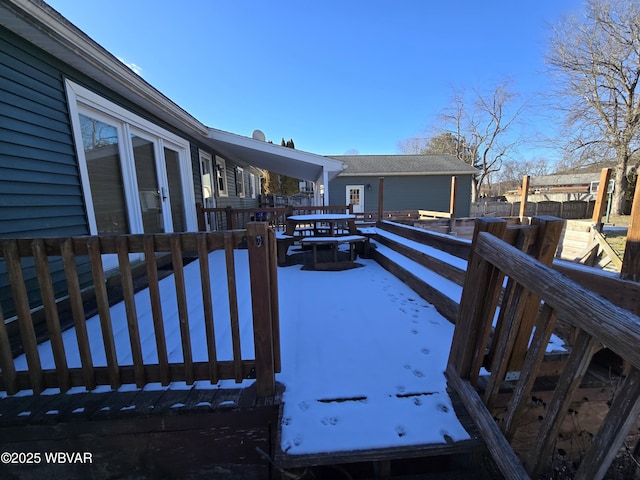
{"points": [[406, 192]]}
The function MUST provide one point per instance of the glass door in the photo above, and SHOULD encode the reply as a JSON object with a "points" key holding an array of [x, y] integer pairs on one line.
{"points": [[150, 193], [176, 194]]}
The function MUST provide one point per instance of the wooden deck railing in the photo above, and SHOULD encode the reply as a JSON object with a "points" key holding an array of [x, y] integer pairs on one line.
{"points": [[219, 219], [549, 296], [259, 240]]}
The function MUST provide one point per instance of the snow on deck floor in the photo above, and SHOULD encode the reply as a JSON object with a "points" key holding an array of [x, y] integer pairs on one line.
{"points": [[363, 355], [363, 362]]}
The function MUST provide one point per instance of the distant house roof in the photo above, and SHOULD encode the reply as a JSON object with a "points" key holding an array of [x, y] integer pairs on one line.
{"points": [[565, 179], [390, 165]]}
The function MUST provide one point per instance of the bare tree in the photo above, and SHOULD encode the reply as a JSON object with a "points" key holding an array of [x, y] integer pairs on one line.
{"points": [[481, 128], [597, 62]]}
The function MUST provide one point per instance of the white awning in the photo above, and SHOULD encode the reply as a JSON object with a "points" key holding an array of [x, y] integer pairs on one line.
{"points": [[275, 158]]}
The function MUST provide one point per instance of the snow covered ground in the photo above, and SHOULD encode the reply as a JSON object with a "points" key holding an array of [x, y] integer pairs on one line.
{"points": [[362, 355]]}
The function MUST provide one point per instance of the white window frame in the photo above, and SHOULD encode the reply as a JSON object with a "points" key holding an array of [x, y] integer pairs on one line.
{"points": [[221, 174], [82, 100], [240, 189], [252, 185]]}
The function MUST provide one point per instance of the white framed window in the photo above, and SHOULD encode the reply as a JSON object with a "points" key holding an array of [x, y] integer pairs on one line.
{"points": [[240, 182], [252, 185], [208, 179], [221, 177], [136, 176]]}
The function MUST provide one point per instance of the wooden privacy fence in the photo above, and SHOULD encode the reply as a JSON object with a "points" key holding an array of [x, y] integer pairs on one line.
{"points": [[228, 218], [258, 239], [536, 291]]}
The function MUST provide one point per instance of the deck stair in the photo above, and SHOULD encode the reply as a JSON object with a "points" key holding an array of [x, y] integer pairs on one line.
{"points": [[432, 264]]}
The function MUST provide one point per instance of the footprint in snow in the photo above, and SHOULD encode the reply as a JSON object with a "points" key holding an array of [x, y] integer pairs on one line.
{"points": [[446, 436], [400, 431], [329, 421], [400, 388], [414, 332], [418, 373], [443, 408], [416, 401], [297, 441], [425, 351], [407, 366], [286, 421], [303, 406]]}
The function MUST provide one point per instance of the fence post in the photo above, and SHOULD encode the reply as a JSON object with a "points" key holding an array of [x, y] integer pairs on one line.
{"points": [[599, 208], [229, 215], [525, 195], [260, 277], [452, 203], [631, 261], [380, 198], [202, 224]]}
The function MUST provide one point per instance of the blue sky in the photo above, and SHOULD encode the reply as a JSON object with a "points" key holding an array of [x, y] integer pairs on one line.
{"points": [[336, 76]]}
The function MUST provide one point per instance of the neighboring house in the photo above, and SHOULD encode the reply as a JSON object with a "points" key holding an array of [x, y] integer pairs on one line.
{"points": [[411, 182], [89, 147], [560, 187]]}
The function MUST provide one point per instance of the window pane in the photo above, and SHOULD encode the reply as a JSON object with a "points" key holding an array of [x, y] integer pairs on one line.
{"points": [[176, 196], [150, 203], [100, 141]]}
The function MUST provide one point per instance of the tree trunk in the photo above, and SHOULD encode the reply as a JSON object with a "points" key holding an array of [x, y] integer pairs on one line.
{"points": [[620, 184]]}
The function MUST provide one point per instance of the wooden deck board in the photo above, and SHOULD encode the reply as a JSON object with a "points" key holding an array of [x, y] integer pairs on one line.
{"points": [[473, 445]]}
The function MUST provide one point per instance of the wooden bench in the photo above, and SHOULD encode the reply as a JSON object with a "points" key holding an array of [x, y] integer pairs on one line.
{"points": [[334, 242], [283, 242]]}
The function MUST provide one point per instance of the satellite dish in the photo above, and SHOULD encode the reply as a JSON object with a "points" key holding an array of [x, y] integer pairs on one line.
{"points": [[258, 135]]}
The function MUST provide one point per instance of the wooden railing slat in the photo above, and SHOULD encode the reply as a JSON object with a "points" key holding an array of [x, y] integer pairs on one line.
{"points": [[102, 300], [622, 415], [130, 309], [6, 359], [23, 311], [51, 312], [233, 304], [545, 324], [156, 308], [275, 305], [581, 353], [183, 311], [77, 312], [207, 303], [502, 453]]}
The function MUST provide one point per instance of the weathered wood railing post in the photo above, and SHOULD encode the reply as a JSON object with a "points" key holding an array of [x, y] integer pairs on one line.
{"points": [[202, 223], [477, 304], [261, 278], [452, 203], [631, 261], [230, 219], [380, 198], [525, 196], [601, 204]]}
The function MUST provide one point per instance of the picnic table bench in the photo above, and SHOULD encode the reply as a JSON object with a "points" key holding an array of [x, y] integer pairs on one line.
{"points": [[334, 242]]}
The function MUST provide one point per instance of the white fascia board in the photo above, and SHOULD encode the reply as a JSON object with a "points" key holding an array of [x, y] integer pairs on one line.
{"points": [[405, 174], [271, 148]]}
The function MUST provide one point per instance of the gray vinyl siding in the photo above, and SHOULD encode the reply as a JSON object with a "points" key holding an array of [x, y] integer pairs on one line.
{"points": [[40, 188], [406, 192]]}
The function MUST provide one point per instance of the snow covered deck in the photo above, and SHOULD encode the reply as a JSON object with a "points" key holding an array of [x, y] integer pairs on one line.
{"points": [[363, 358]]}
